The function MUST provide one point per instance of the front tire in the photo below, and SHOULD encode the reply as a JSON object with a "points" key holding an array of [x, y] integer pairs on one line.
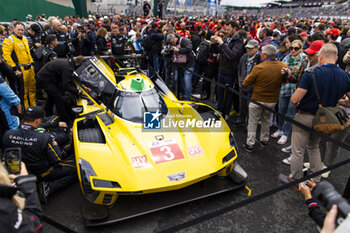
{"points": [[94, 135]]}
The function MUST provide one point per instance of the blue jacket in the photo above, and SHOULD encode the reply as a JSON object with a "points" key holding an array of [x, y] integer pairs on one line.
{"points": [[8, 99]]}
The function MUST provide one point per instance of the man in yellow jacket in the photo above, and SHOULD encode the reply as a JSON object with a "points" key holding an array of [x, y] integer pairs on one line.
{"points": [[17, 54]]}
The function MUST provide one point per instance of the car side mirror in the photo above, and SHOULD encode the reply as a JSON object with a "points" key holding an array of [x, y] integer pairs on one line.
{"points": [[77, 109]]}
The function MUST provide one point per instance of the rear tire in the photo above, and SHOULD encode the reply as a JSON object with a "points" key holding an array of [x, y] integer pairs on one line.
{"points": [[94, 135]]}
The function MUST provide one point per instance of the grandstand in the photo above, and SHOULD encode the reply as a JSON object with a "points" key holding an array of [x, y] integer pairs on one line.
{"points": [[307, 8]]}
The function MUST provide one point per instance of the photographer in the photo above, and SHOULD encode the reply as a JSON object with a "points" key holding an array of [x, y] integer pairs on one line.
{"points": [[19, 206], [184, 61], [231, 50], [315, 212], [337, 205], [168, 55], [81, 42]]}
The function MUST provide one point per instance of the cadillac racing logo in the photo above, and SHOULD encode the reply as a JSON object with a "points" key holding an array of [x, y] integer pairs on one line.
{"points": [[177, 176]]}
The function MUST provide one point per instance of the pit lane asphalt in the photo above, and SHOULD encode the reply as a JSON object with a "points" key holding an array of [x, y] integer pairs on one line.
{"points": [[282, 212]]}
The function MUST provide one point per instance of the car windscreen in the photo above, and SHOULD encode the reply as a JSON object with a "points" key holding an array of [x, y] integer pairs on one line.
{"points": [[131, 105], [96, 85]]}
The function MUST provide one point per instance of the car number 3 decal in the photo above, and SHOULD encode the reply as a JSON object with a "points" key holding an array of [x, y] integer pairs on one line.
{"points": [[165, 151]]}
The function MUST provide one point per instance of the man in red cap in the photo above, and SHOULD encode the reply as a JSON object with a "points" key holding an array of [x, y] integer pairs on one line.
{"points": [[332, 36], [309, 63]]}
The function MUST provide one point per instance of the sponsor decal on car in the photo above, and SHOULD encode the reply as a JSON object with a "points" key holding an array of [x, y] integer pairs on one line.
{"points": [[176, 177], [165, 151], [140, 162], [195, 150]]}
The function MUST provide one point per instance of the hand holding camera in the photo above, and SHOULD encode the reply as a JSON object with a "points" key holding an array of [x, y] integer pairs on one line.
{"points": [[175, 49]]}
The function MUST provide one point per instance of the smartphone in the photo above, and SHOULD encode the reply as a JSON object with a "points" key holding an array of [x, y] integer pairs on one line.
{"points": [[13, 157]]}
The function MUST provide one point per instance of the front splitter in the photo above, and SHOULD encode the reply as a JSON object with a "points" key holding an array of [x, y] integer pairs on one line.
{"points": [[133, 206]]}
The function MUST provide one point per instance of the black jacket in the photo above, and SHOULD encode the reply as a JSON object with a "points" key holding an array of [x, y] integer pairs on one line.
{"points": [[12, 219], [7, 71], [82, 45], [230, 55], [196, 40], [185, 48], [242, 69], [315, 212], [101, 45], [49, 54], [32, 40], [58, 72], [118, 44], [156, 41], [38, 151], [62, 48]]}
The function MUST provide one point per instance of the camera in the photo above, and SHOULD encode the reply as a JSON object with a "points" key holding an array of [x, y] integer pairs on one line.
{"points": [[328, 196], [167, 50]]}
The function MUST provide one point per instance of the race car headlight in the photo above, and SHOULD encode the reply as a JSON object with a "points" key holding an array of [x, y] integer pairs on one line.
{"points": [[228, 157], [86, 171], [105, 184]]}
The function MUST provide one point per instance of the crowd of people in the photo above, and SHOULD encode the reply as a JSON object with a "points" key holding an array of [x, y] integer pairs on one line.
{"points": [[269, 59]]}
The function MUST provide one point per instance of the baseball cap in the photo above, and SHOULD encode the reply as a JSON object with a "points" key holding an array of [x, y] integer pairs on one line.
{"points": [[304, 34], [315, 47], [252, 44], [333, 32], [35, 112]]}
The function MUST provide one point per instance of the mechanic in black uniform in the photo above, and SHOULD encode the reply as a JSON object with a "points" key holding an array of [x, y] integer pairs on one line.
{"points": [[33, 35], [62, 48], [56, 78], [118, 41], [40, 153], [49, 53]]}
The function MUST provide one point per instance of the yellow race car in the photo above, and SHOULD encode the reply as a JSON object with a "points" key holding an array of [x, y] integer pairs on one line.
{"points": [[132, 136]]}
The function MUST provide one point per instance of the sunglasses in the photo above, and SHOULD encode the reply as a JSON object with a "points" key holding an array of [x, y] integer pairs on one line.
{"points": [[294, 48], [221, 35]]}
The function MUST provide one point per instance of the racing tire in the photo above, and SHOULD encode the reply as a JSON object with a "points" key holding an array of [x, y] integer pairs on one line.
{"points": [[94, 135]]}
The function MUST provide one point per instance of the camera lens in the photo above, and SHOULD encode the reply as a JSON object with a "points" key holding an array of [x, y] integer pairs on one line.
{"points": [[328, 196]]}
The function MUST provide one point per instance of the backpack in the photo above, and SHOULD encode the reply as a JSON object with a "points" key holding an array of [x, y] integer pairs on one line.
{"points": [[203, 52], [147, 43]]}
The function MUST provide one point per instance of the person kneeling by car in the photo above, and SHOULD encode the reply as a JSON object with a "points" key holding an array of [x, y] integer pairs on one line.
{"points": [[41, 153]]}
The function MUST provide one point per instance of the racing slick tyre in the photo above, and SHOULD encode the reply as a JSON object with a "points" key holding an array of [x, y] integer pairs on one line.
{"points": [[91, 135]]}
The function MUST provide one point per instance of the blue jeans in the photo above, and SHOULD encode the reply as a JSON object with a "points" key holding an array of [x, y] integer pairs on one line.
{"points": [[224, 79], [186, 83], [155, 60], [286, 108]]}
